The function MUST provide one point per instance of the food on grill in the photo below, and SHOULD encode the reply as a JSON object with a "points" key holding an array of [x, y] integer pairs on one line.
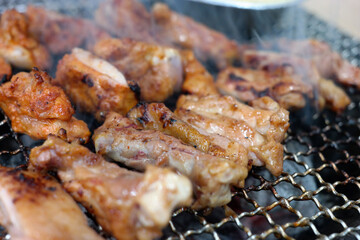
{"points": [[5, 70], [125, 19], [37, 108], [248, 85], [171, 28], [329, 63], [197, 79], [121, 140], [156, 69], [290, 64], [17, 45], [94, 84], [156, 116], [130, 19], [260, 128], [34, 206], [61, 33], [127, 204]]}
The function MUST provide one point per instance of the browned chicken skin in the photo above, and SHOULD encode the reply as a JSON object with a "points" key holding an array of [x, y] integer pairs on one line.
{"points": [[127, 204], [61, 33], [156, 69], [260, 128], [278, 63], [5, 69], [35, 207], [94, 84], [173, 29], [248, 85], [17, 46], [197, 79], [125, 19], [121, 140], [156, 116], [37, 108]]}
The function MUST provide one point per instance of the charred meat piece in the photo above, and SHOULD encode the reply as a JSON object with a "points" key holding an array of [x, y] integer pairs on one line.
{"points": [[156, 116], [156, 69], [61, 33], [197, 79], [17, 45], [125, 19], [127, 204], [248, 85], [278, 63], [94, 84], [260, 129], [121, 140], [5, 70], [177, 30], [37, 108], [34, 206]]}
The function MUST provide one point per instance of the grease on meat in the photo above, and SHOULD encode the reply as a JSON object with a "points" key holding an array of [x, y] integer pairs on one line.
{"points": [[156, 69], [17, 45], [94, 84], [127, 204], [121, 140], [34, 206], [37, 108]]}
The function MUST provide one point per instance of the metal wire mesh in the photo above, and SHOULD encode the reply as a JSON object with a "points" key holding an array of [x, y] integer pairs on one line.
{"points": [[317, 195]]}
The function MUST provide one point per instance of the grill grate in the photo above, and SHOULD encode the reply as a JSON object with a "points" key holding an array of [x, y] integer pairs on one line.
{"points": [[317, 196]]}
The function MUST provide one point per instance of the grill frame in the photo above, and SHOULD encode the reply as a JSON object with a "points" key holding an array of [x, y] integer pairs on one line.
{"points": [[320, 158]]}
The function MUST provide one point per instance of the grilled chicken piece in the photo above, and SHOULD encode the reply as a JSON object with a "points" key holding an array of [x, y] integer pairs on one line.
{"points": [[278, 63], [121, 140], [125, 19], [61, 33], [336, 98], [177, 30], [94, 84], [248, 85], [261, 151], [17, 46], [5, 70], [329, 63], [37, 108], [197, 80], [260, 129], [156, 116], [127, 204], [156, 69], [35, 207], [265, 116]]}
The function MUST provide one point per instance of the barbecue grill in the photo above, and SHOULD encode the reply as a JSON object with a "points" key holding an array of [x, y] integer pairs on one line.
{"points": [[318, 193]]}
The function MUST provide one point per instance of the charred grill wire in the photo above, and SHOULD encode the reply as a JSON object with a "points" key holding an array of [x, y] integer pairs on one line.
{"points": [[317, 196]]}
